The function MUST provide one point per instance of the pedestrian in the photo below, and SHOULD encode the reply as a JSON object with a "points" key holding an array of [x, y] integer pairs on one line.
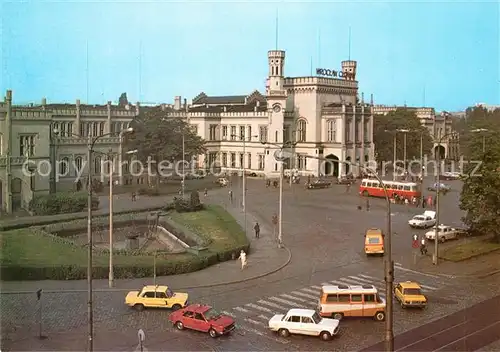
{"points": [[367, 204], [231, 196], [348, 187], [134, 197], [423, 246], [205, 192], [257, 230], [407, 201], [243, 258]]}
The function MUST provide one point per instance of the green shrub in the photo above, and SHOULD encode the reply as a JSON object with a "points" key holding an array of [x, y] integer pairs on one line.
{"points": [[195, 200], [182, 205], [61, 203]]}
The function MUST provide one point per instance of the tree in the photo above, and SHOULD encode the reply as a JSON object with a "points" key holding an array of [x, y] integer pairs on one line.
{"points": [[384, 130], [480, 197], [158, 136], [123, 101]]}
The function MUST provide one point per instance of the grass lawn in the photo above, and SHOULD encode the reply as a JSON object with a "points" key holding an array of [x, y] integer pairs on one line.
{"points": [[213, 224], [469, 249], [28, 248]]}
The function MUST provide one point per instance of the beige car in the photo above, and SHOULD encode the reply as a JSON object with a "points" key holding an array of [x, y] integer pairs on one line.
{"points": [[222, 181]]}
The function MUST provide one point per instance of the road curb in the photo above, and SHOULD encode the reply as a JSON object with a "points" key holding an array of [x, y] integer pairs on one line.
{"points": [[469, 276], [267, 273]]}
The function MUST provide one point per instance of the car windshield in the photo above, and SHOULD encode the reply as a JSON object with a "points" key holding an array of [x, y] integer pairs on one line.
{"points": [[316, 318], [169, 292], [373, 240], [211, 314], [413, 291], [418, 217]]}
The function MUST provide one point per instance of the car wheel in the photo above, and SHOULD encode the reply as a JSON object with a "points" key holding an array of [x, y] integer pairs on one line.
{"points": [[380, 316], [283, 332], [325, 335], [213, 334], [176, 307], [179, 325], [442, 240], [337, 316], [139, 307]]}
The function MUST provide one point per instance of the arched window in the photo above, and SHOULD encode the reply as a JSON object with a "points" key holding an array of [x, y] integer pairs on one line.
{"points": [[63, 129], [301, 131], [78, 163], [64, 167], [97, 165], [55, 126]]}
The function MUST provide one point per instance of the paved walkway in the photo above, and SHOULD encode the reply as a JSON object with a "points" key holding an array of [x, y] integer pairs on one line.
{"points": [[264, 257]]}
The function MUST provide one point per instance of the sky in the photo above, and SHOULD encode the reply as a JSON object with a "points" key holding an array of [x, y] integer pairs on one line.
{"points": [[439, 54]]}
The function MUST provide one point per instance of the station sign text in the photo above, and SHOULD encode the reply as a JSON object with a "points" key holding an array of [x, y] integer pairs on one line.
{"points": [[335, 74]]}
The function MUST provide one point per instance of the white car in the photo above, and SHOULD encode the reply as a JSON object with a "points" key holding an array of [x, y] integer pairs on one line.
{"points": [[445, 233], [424, 221], [304, 322]]}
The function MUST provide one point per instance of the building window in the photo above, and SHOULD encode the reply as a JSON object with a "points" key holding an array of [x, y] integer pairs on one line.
{"points": [[27, 146], [55, 127], [212, 132], [302, 131], [286, 134], [242, 160], [101, 128], [63, 166], [233, 133], [276, 136], [224, 132], [82, 129], [249, 166], [301, 161], [78, 163], [194, 129], [263, 133], [242, 132], [233, 160], [97, 165], [1, 144], [224, 159], [331, 129], [249, 134], [63, 130], [261, 161], [88, 129], [69, 130]]}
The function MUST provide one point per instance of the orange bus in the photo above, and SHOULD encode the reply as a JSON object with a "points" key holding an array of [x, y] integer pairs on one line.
{"points": [[371, 188]]}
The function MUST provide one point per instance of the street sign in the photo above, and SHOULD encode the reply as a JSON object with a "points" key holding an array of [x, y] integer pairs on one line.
{"points": [[415, 244], [415, 237]]}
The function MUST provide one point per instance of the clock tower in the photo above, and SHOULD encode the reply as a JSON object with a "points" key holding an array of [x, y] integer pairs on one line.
{"points": [[276, 103]]}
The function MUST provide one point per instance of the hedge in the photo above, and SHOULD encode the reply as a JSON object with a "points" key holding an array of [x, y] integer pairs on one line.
{"points": [[127, 264], [61, 203]]}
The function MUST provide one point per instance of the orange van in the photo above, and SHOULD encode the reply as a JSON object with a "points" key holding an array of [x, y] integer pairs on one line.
{"points": [[374, 242]]}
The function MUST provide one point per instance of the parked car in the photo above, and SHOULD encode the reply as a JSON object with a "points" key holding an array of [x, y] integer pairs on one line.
{"points": [[304, 322], [202, 318], [317, 184], [156, 297], [423, 221], [450, 176], [444, 233], [443, 188], [409, 294]]}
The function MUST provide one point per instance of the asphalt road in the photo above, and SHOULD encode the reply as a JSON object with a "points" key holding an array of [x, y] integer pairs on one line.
{"points": [[324, 229], [467, 330]]}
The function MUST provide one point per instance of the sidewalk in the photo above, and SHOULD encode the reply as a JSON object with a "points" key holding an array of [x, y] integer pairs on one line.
{"points": [[264, 258], [478, 267]]}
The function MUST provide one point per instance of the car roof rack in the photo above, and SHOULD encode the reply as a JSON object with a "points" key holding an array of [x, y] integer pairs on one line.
{"points": [[367, 286], [343, 287]]}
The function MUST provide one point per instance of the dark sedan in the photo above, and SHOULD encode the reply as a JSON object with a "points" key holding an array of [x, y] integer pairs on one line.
{"points": [[317, 184]]}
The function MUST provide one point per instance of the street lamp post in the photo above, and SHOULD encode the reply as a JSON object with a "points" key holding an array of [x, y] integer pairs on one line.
{"points": [[482, 131], [438, 191], [389, 265], [404, 131]]}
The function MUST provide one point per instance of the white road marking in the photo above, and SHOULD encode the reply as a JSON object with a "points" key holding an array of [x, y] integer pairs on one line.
{"points": [[253, 322], [257, 332], [271, 304], [294, 298], [263, 317], [316, 287], [369, 277], [353, 282], [304, 295], [227, 313], [416, 272], [362, 279], [326, 284], [241, 309], [432, 288], [284, 302], [255, 306], [340, 282], [311, 291], [398, 264]]}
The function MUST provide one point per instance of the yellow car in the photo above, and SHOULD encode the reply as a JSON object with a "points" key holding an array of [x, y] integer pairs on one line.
{"points": [[374, 242], [156, 297], [409, 294]]}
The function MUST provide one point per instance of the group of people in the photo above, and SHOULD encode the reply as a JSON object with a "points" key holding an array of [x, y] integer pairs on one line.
{"points": [[416, 202]]}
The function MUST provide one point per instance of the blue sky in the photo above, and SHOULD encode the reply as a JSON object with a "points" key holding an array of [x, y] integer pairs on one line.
{"points": [[155, 50]]}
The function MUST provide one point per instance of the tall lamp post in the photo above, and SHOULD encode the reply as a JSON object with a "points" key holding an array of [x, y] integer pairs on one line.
{"points": [[389, 265], [394, 152], [243, 167], [438, 192], [281, 155], [482, 131], [404, 131]]}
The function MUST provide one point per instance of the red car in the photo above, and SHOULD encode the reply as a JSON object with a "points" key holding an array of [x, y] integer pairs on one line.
{"points": [[202, 318]]}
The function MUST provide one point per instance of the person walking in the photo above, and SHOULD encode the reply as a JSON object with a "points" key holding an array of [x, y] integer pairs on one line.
{"points": [[134, 197], [231, 196], [257, 230], [243, 258], [423, 246], [205, 192]]}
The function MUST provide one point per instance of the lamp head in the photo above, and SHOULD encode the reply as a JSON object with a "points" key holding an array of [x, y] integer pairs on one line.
{"points": [[55, 131]]}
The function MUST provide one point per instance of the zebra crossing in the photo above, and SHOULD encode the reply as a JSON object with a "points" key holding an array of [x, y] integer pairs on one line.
{"points": [[253, 317]]}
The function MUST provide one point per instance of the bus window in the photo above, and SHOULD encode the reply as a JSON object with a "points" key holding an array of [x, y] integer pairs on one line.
{"points": [[376, 185], [406, 188], [413, 188], [400, 187], [364, 184]]}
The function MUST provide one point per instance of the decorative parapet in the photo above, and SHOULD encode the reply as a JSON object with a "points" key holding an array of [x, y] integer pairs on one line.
{"points": [[14, 160], [334, 82], [228, 114], [85, 140]]}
